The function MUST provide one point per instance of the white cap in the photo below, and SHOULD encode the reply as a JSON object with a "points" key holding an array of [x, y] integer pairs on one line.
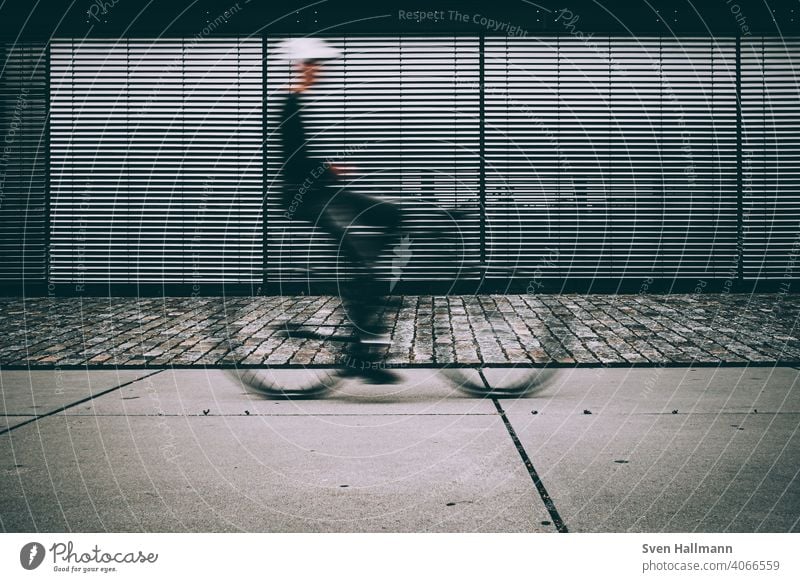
{"points": [[307, 49]]}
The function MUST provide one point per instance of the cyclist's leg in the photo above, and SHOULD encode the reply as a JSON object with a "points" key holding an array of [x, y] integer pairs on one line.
{"points": [[362, 295], [367, 300], [359, 292], [347, 208]]}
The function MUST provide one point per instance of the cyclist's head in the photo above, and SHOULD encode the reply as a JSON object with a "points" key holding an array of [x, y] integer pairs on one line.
{"points": [[307, 54], [308, 70]]}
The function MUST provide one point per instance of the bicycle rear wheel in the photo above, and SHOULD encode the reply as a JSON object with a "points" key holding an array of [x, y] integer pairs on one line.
{"points": [[296, 383]]}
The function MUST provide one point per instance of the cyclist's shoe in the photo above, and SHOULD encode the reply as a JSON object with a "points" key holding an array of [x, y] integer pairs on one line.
{"points": [[371, 375]]}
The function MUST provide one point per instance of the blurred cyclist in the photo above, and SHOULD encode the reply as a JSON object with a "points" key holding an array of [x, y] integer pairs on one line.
{"points": [[311, 193]]}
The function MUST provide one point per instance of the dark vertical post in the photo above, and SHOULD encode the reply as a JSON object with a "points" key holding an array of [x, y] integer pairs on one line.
{"points": [[482, 153], [46, 141], [263, 288], [739, 192], [608, 203]]}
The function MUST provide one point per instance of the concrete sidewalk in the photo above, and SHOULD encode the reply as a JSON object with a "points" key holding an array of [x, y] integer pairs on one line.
{"points": [[594, 450]]}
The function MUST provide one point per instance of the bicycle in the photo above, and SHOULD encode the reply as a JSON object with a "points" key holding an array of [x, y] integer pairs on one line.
{"points": [[368, 354]]}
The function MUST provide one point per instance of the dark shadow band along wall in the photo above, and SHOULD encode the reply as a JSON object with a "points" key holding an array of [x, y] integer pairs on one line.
{"points": [[610, 163]]}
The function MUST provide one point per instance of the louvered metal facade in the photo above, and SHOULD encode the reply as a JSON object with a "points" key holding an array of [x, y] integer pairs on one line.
{"points": [[602, 158], [23, 163], [156, 163], [770, 157], [611, 157]]}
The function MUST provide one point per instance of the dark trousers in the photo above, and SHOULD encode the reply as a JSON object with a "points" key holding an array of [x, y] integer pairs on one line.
{"points": [[337, 213]]}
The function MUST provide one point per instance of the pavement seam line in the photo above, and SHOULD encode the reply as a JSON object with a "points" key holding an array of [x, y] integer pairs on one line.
{"points": [[561, 527], [76, 403], [537, 481]]}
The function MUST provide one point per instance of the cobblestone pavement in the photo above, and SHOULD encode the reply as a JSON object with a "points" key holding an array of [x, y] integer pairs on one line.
{"points": [[457, 329]]}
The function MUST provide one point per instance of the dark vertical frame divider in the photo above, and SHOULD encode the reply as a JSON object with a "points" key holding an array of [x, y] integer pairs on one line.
{"points": [[482, 151], [46, 281], [264, 225], [739, 181]]}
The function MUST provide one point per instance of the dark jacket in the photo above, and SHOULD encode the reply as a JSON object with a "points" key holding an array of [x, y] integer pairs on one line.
{"points": [[299, 168]]}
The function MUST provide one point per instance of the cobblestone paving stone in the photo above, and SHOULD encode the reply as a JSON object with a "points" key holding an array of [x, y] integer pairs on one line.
{"points": [[457, 329]]}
